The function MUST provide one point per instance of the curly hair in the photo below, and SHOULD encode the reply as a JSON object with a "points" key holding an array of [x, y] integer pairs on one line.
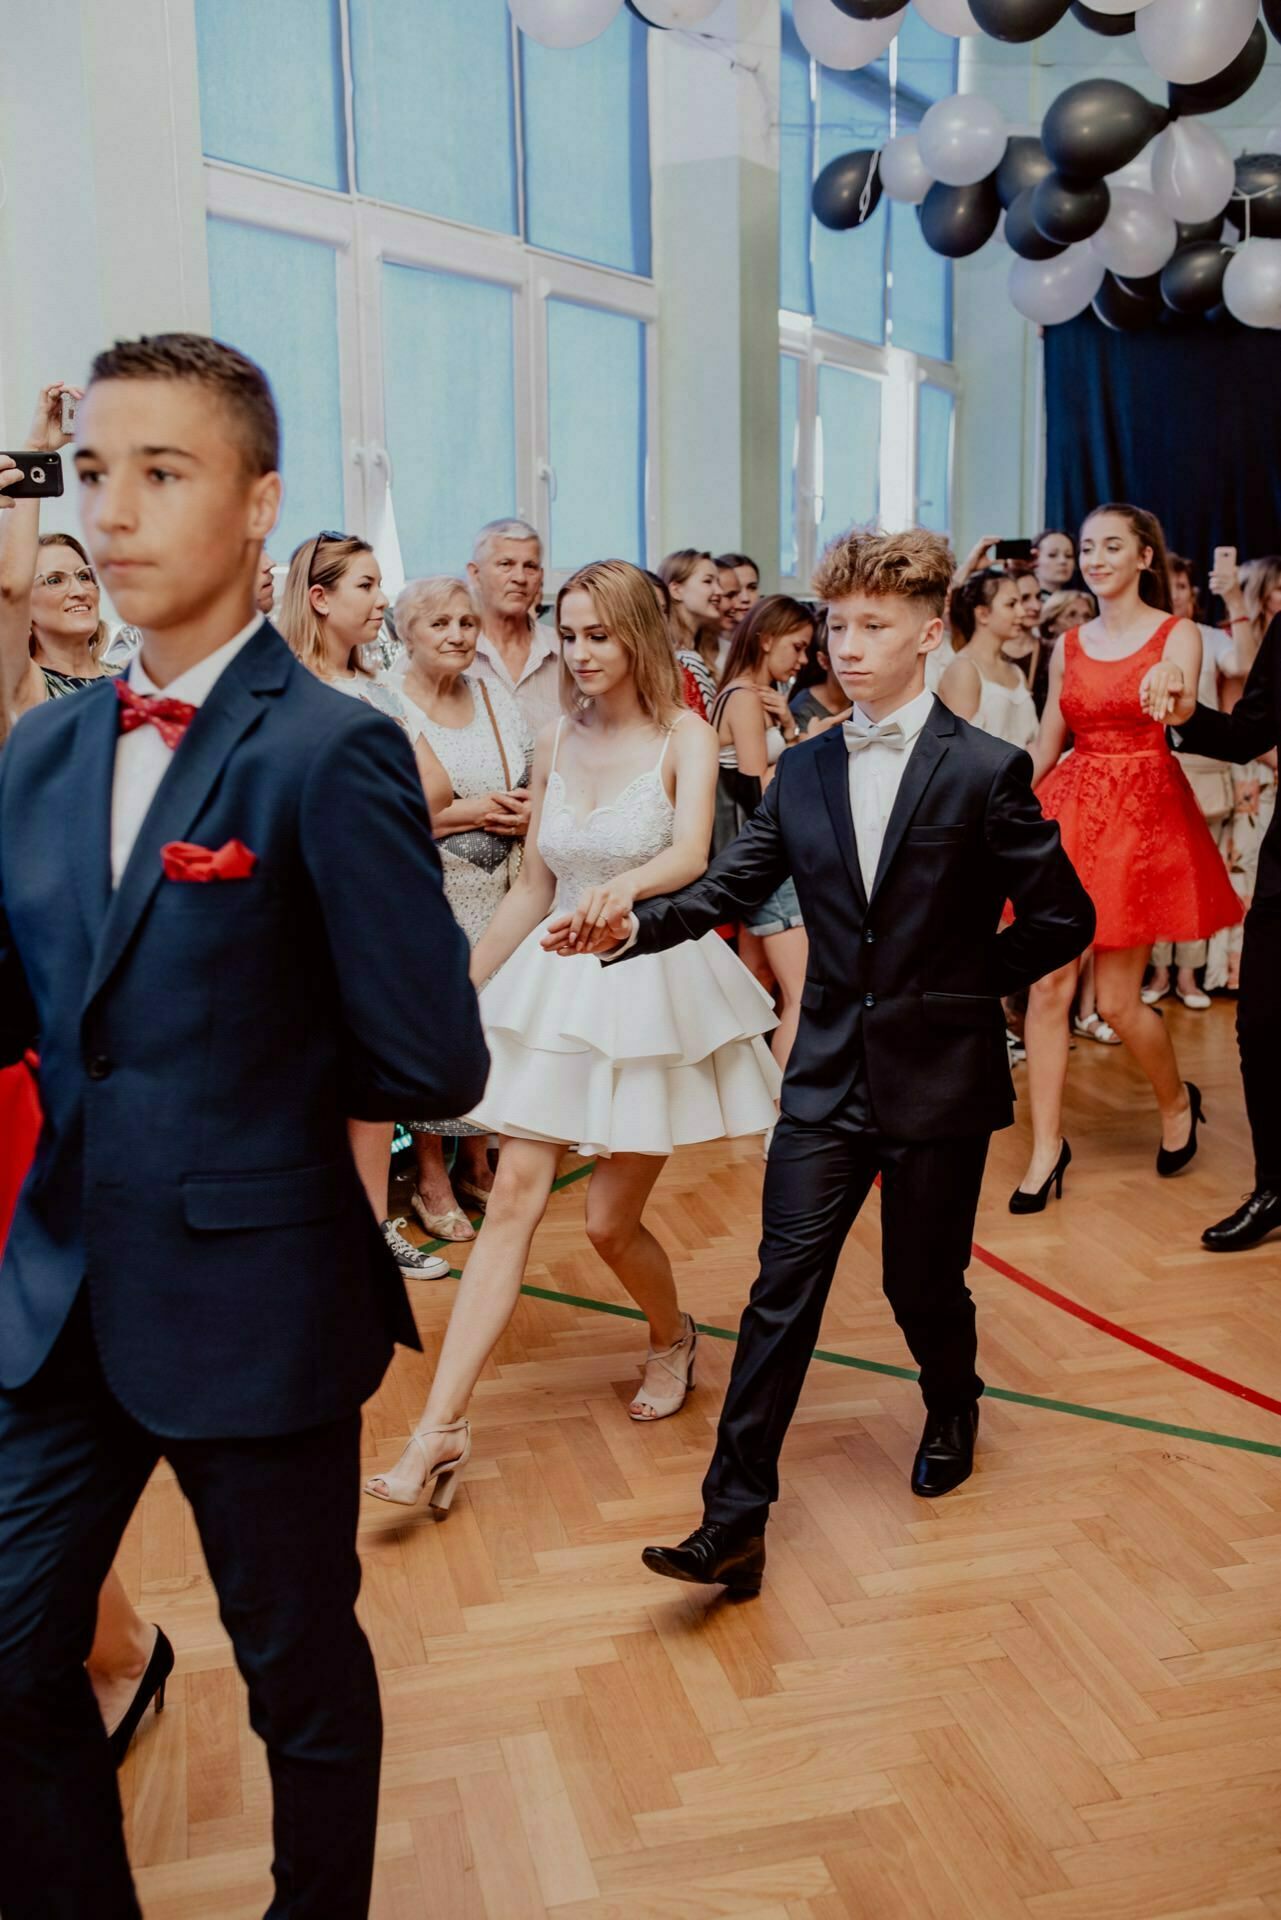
{"points": [[224, 373], [914, 565]]}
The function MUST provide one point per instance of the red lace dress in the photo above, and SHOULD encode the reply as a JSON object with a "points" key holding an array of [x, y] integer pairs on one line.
{"points": [[1129, 820]]}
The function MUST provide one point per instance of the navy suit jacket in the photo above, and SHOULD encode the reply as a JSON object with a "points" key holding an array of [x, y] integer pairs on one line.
{"points": [[202, 1046], [909, 981]]}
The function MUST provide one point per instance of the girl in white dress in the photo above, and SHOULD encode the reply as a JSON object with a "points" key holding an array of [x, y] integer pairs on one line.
{"points": [[621, 1063], [980, 684]]}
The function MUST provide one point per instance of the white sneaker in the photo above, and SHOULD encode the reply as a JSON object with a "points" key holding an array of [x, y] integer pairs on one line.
{"points": [[1150, 996], [1197, 1001], [412, 1261]]}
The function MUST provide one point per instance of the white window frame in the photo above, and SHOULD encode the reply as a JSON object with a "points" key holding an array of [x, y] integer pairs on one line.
{"points": [[364, 233]]}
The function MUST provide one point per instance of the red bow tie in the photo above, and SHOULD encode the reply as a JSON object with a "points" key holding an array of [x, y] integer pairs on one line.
{"points": [[170, 718]]}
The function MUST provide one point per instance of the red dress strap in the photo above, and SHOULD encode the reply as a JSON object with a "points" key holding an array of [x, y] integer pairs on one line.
{"points": [[1164, 631]]}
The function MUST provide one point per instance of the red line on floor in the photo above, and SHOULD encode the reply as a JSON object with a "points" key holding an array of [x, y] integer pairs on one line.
{"points": [[1097, 1320]]}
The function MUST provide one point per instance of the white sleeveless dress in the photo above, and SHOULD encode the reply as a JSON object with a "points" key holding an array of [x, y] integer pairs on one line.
{"points": [[654, 1053]]}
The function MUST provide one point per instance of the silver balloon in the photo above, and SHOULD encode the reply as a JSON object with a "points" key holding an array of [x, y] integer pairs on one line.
{"points": [[1191, 40], [904, 175], [1051, 291], [564, 23], [1118, 6], [836, 41], [676, 13], [1252, 284], [962, 139], [1138, 236], [948, 16], [1192, 171]]}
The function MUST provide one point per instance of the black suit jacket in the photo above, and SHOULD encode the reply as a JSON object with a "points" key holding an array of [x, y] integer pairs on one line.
{"points": [[910, 980], [1251, 729], [202, 1046]]}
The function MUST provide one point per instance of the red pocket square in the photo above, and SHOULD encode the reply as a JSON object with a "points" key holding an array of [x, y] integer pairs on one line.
{"points": [[185, 861]]}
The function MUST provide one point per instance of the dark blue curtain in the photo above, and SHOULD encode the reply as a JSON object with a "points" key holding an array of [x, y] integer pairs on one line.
{"points": [[1183, 419]]}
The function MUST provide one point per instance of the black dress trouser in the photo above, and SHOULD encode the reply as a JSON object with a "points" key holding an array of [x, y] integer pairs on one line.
{"points": [[1259, 1037], [277, 1522], [816, 1180]]}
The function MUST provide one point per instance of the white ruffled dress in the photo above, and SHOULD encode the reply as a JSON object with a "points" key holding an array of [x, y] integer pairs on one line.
{"points": [[650, 1054]]}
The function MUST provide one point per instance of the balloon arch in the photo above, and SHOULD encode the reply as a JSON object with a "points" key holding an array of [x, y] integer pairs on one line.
{"points": [[1205, 235]]}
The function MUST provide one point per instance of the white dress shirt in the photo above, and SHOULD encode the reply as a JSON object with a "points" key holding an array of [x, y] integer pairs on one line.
{"points": [[142, 758], [537, 692], [875, 772]]}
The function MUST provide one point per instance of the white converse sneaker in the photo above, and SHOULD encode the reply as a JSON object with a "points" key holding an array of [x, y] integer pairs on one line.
{"points": [[412, 1261]]}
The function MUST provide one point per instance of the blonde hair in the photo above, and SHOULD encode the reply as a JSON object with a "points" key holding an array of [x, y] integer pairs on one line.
{"points": [[1258, 578], [69, 540], [626, 608], [1054, 609], [913, 565], [319, 562], [674, 569], [423, 599]]}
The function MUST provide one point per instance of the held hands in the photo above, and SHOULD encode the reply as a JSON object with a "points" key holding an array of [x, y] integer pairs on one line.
{"points": [[46, 434], [1161, 693], [601, 921]]}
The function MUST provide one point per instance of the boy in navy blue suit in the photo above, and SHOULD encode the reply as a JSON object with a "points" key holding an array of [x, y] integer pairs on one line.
{"points": [[221, 920]]}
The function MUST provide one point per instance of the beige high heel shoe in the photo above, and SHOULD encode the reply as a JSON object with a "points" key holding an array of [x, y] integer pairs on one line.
{"points": [[452, 1225], [677, 1361], [403, 1491]]}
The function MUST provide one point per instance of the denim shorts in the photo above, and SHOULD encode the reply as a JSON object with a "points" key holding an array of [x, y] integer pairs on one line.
{"points": [[779, 914]]}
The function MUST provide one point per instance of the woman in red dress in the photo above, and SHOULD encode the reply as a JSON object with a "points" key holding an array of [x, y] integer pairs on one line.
{"points": [[1131, 826]]}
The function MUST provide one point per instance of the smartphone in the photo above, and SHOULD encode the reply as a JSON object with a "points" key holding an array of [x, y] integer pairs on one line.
{"points": [[69, 405], [1012, 550], [43, 477], [1225, 559]]}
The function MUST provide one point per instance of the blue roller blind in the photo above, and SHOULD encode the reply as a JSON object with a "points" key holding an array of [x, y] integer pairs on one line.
{"points": [[927, 60], [433, 107], [450, 411], [275, 297], [596, 399], [934, 459], [850, 268], [271, 87], [796, 171], [789, 410], [586, 133], [849, 428]]}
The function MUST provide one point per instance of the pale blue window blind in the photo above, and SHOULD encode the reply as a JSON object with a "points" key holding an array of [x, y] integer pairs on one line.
{"points": [[789, 408], [275, 297], [597, 398], [450, 411], [796, 172], [433, 107], [271, 87], [849, 268], [934, 458], [849, 450]]}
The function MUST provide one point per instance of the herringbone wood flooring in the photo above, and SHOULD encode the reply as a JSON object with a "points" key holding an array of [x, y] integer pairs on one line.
{"points": [[1054, 1696]]}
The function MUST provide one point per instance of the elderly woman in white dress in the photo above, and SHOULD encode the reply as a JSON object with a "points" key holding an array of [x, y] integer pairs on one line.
{"points": [[474, 752]]}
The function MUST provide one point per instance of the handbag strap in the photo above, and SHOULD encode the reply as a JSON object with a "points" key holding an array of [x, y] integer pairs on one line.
{"points": [[498, 738]]}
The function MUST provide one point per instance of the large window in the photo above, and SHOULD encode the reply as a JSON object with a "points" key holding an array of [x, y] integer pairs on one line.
{"points": [[403, 241], [867, 315]]}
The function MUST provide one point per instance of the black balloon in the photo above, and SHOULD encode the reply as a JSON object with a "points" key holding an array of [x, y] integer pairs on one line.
{"points": [[1024, 164], [1113, 25], [868, 9], [1125, 311], [1018, 20], [1192, 232], [959, 220], [1023, 234], [1225, 88], [1070, 210], [1272, 14], [1192, 279], [1098, 127], [1258, 174], [848, 191]]}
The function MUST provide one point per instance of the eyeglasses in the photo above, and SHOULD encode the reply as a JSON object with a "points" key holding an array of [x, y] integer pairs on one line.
{"points": [[83, 577], [326, 533]]}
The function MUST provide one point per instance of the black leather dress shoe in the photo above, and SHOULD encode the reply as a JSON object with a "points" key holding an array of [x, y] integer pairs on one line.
{"points": [[945, 1456], [713, 1555], [1258, 1215]]}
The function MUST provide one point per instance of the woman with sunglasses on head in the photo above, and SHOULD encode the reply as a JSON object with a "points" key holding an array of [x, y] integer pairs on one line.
{"points": [[331, 614], [55, 635]]}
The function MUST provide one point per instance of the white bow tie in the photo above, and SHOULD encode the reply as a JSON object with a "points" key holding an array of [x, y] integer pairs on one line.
{"points": [[888, 733]]}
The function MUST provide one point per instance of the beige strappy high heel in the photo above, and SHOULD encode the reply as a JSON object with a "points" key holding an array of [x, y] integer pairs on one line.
{"points": [[403, 1491], [677, 1362]]}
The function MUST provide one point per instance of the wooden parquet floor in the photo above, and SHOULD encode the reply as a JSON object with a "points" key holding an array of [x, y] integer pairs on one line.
{"points": [[1055, 1695]]}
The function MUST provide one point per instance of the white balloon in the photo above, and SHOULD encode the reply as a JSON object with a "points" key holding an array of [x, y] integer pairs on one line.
{"points": [[904, 175], [1051, 291], [837, 41], [948, 16], [1118, 6], [962, 138], [1191, 40], [1192, 171], [677, 13], [1252, 284], [564, 23], [1138, 236]]}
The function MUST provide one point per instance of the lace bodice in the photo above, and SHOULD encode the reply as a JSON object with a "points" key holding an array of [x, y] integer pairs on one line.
{"points": [[470, 754], [1100, 698], [631, 829]]}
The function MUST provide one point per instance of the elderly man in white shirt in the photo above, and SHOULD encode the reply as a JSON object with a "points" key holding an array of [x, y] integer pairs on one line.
{"points": [[516, 651]]}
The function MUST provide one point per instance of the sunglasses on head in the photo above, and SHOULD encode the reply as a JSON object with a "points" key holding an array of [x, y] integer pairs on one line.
{"points": [[326, 533]]}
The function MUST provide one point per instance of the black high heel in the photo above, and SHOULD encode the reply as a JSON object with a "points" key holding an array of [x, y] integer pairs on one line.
{"points": [[151, 1686], [1167, 1162], [1021, 1202]]}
